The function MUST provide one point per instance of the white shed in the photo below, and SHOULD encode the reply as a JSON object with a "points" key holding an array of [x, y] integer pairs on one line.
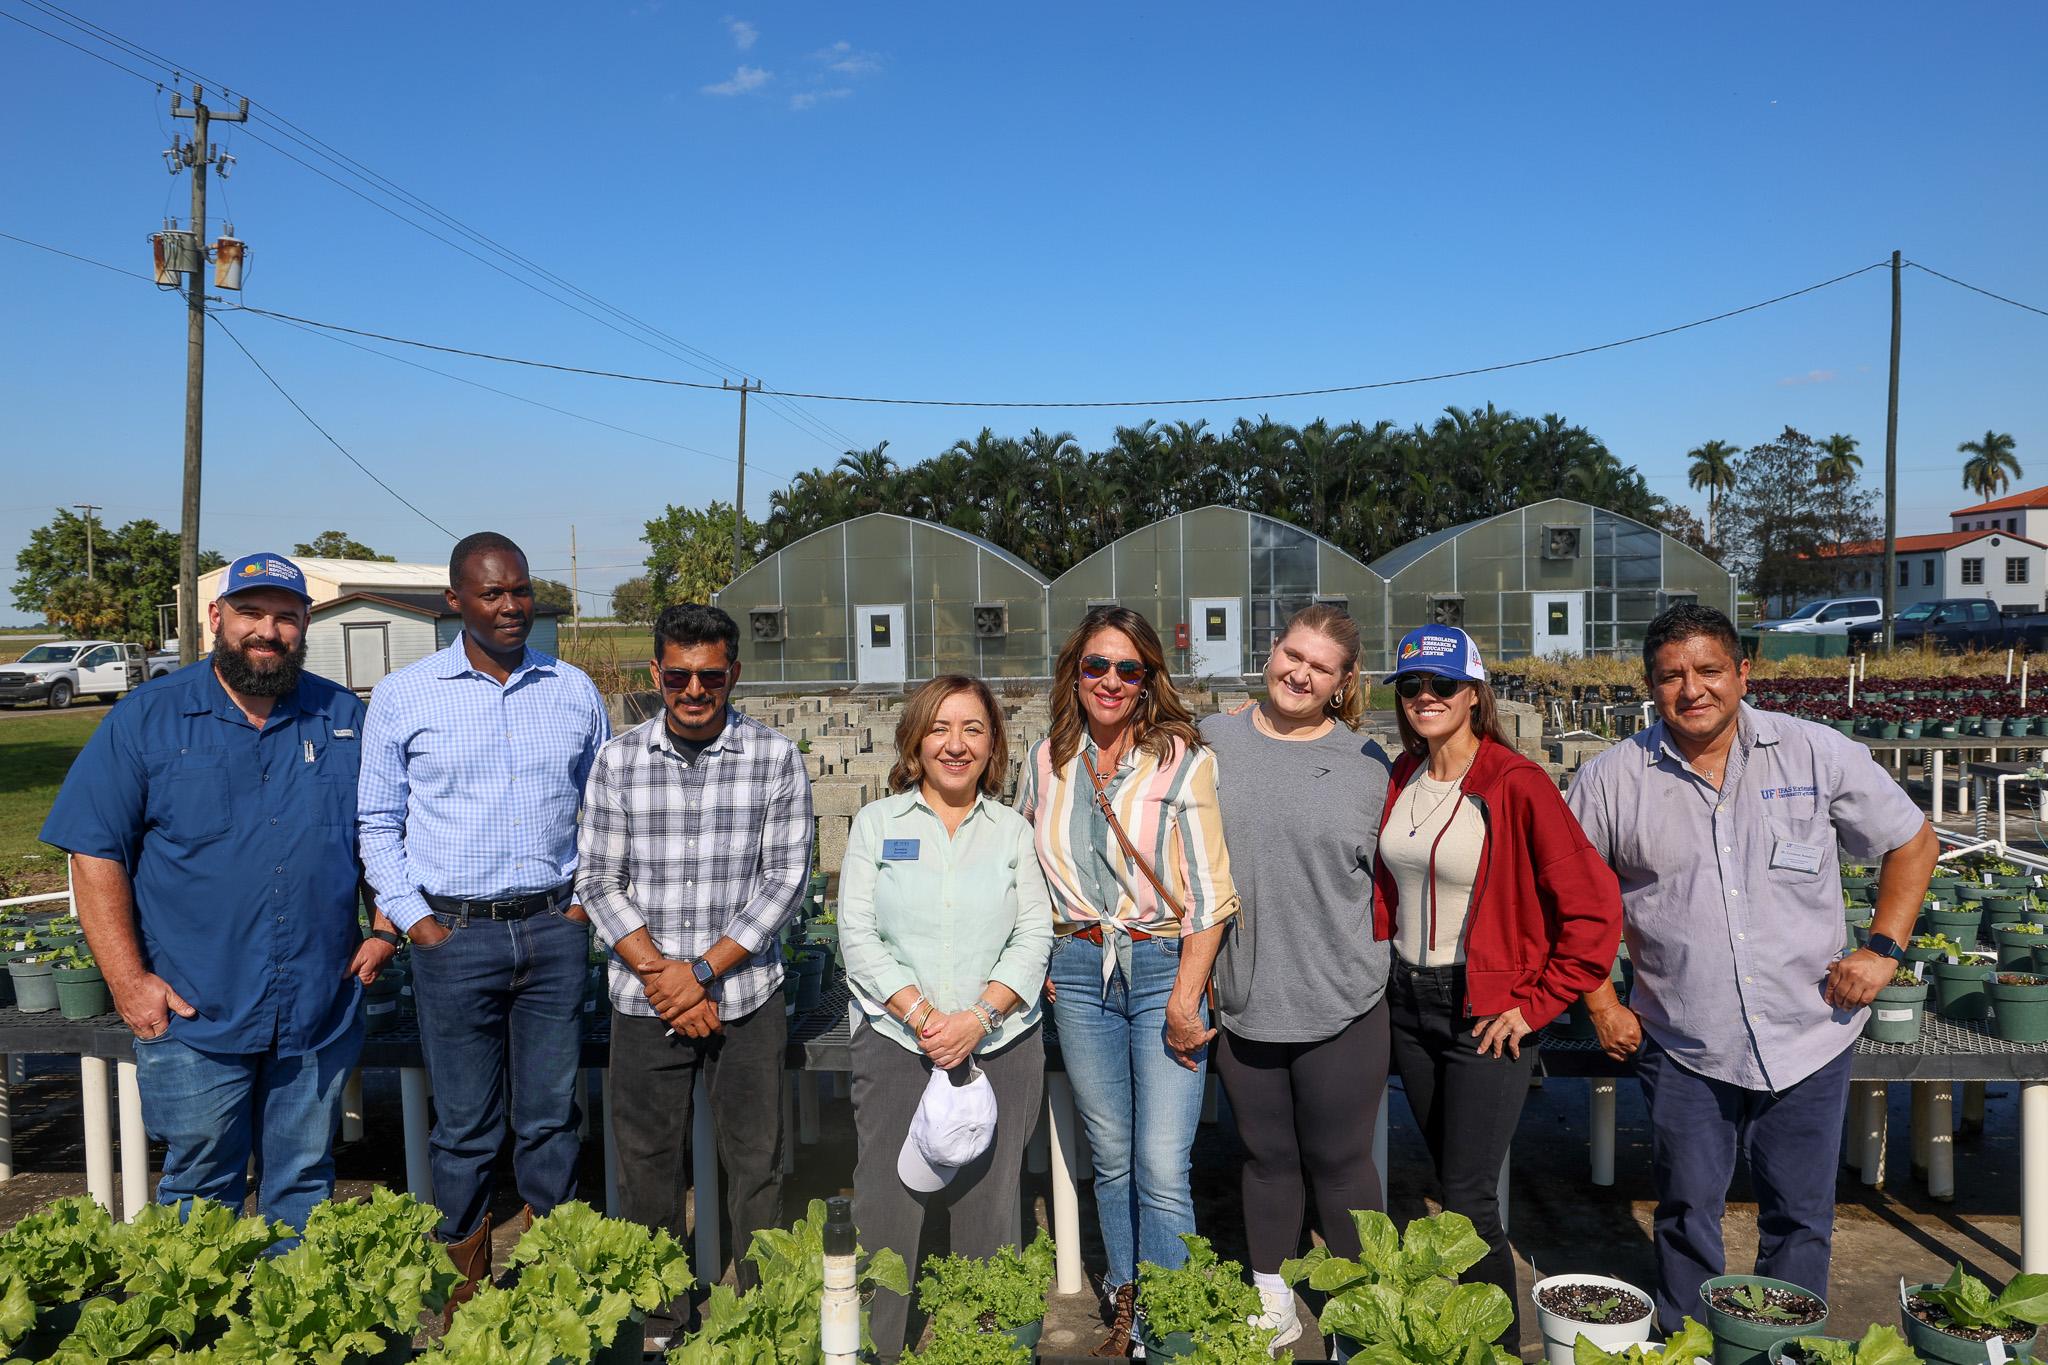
{"points": [[329, 579], [357, 638]]}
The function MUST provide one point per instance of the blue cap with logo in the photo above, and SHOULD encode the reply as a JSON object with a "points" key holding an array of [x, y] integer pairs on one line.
{"points": [[264, 571], [1443, 650]]}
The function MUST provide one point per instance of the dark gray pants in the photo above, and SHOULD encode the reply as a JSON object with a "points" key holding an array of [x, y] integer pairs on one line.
{"points": [[981, 1203], [652, 1077]]}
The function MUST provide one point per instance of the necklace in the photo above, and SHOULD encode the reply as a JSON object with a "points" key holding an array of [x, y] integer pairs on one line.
{"points": [[1415, 825]]}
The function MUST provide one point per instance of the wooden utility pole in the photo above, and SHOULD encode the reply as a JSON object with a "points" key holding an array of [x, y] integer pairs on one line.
{"points": [[739, 496], [88, 508], [194, 156], [1891, 469]]}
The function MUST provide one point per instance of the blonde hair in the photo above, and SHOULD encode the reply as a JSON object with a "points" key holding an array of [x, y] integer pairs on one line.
{"points": [[921, 713], [1160, 716], [1335, 625]]}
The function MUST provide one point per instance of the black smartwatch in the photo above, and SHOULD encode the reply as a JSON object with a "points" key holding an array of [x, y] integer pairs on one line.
{"points": [[703, 971], [385, 936], [1886, 946]]}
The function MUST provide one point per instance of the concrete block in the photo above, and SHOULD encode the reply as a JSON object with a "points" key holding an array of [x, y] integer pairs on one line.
{"points": [[1570, 753], [814, 766], [837, 796], [832, 832]]}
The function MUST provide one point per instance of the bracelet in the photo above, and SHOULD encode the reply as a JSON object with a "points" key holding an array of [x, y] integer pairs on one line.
{"points": [[987, 1015], [929, 1010], [913, 1008]]}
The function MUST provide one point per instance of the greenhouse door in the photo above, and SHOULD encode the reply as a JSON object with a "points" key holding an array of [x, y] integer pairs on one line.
{"points": [[1559, 629], [878, 654], [1216, 644]]}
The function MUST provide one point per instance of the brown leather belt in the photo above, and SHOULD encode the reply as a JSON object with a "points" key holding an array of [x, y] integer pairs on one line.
{"points": [[1093, 933]]}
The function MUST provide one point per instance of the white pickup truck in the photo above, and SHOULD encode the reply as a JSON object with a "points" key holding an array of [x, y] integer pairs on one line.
{"points": [[55, 673]]}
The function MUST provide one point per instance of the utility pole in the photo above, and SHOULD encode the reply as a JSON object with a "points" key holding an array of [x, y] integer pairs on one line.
{"points": [[194, 156], [575, 591], [739, 497], [88, 508], [1891, 469]]}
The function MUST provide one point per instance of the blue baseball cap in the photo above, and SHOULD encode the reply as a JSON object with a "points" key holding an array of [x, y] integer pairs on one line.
{"points": [[1443, 650], [264, 571]]}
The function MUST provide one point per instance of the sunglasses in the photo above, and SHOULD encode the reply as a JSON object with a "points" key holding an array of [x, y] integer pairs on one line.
{"points": [[1094, 666], [1410, 685], [711, 679]]}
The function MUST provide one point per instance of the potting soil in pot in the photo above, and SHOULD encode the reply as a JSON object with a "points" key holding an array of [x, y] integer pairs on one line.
{"points": [[1959, 986], [2019, 1006], [1580, 1303], [1935, 1337], [1801, 1310]]}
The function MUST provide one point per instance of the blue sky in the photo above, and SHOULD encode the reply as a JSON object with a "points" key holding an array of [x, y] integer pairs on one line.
{"points": [[1056, 201]]}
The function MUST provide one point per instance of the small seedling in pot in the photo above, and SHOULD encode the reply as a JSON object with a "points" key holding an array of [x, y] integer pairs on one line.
{"points": [[1602, 1310], [1755, 1300], [1903, 977]]}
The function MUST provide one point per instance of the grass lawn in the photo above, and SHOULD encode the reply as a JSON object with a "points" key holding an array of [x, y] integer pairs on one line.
{"points": [[35, 753]]}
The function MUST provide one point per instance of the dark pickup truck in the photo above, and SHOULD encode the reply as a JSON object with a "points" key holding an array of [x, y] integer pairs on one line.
{"points": [[1955, 624]]}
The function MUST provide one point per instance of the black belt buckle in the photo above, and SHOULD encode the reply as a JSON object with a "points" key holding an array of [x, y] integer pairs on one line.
{"points": [[506, 909]]}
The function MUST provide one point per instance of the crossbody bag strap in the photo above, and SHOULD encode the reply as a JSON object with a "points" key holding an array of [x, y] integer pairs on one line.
{"points": [[1116, 827]]}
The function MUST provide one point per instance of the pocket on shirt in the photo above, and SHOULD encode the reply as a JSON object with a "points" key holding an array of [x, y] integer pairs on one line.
{"points": [[1815, 831], [336, 801], [188, 800]]}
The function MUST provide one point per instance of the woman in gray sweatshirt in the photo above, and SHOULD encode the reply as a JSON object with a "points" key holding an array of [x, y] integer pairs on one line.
{"points": [[1300, 980]]}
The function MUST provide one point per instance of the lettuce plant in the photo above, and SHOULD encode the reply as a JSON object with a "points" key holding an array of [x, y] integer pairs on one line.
{"points": [[17, 1309], [776, 1322], [1234, 1343], [1006, 1290], [1692, 1342], [1879, 1346], [535, 1322], [176, 1273], [608, 1258], [63, 1251], [1967, 1301], [970, 1348], [1202, 1293], [1401, 1300]]}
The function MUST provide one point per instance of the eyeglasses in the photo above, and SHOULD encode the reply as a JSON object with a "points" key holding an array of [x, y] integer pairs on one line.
{"points": [[1094, 666], [678, 679], [1410, 685]]}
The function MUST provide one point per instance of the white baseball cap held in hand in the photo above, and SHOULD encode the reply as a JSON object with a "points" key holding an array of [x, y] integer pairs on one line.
{"points": [[955, 1122]]}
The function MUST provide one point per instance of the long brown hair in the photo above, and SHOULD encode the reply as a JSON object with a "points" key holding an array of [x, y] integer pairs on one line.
{"points": [[921, 712], [1335, 625], [1484, 720], [1160, 716]]}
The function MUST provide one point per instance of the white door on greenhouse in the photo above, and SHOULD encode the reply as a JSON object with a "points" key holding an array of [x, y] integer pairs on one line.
{"points": [[879, 653], [1559, 628], [1216, 637]]}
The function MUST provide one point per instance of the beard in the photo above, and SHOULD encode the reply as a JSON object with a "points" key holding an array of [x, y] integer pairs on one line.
{"points": [[261, 675]]}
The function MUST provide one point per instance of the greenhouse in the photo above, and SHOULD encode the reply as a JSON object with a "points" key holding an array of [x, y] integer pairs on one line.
{"points": [[1556, 578], [886, 600], [1219, 583]]}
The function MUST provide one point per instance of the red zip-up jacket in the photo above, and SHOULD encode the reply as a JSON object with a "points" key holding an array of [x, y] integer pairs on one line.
{"points": [[1545, 914]]}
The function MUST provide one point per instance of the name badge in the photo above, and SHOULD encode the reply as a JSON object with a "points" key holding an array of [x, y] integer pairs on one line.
{"points": [[899, 850], [1793, 857]]}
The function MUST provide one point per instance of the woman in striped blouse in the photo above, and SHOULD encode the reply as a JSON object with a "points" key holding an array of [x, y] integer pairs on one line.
{"points": [[1137, 928]]}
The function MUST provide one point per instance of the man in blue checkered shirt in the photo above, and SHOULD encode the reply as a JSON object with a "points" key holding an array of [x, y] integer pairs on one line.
{"points": [[473, 766], [695, 851]]}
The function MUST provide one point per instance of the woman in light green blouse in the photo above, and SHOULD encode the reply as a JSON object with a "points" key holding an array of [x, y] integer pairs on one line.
{"points": [[946, 924]]}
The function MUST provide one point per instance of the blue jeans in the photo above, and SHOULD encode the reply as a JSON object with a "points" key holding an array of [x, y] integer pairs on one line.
{"points": [[1113, 1048], [214, 1110], [499, 1001], [1793, 1140]]}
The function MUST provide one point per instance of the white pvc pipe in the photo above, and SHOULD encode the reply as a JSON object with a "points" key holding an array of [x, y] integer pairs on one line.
{"points": [[99, 1131], [1066, 1199], [806, 1107], [704, 1163], [2034, 1177], [1872, 1135], [412, 1103], [6, 1124], [1941, 1142], [1934, 800], [352, 1107], [1379, 1147], [134, 1142], [1600, 1106]]}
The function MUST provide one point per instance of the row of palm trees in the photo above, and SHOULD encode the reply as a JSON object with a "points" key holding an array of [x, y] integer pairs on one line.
{"points": [[1367, 488], [1989, 470]]}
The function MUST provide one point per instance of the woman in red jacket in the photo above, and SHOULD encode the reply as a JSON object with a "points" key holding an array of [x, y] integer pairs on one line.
{"points": [[1500, 912]]}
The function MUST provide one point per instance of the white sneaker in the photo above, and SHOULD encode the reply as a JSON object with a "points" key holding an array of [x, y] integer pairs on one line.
{"points": [[1279, 1317]]}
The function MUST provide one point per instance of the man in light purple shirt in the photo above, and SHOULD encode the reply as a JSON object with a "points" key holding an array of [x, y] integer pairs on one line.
{"points": [[1725, 825]]}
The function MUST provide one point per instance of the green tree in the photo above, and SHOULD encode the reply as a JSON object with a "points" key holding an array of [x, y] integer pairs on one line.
{"points": [[633, 602], [137, 561], [1780, 524], [83, 608], [339, 545], [1838, 459], [1712, 469], [689, 554], [1991, 466], [549, 592]]}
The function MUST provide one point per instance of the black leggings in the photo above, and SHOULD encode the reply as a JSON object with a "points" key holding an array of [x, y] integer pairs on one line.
{"points": [[1307, 1109]]}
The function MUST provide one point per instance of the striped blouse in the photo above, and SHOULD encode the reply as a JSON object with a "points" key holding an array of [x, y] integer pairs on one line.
{"points": [[1170, 812]]}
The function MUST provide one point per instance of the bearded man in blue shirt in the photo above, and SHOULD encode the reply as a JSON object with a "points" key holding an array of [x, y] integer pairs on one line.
{"points": [[210, 822]]}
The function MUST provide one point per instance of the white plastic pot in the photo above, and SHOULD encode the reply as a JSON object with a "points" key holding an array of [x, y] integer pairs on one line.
{"points": [[1561, 1333]]}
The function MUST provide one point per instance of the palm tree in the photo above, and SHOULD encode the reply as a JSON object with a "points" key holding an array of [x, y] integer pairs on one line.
{"points": [[873, 475], [1712, 468], [1991, 466], [1839, 462]]}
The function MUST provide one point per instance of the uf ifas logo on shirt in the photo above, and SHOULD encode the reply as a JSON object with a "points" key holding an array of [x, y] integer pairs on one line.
{"points": [[1787, 793]]}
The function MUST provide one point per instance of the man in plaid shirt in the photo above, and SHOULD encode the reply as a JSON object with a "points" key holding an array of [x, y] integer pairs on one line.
{"points": [[695, 851]]}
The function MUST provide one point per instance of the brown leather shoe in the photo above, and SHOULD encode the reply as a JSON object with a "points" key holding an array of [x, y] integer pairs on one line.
{"points": [[1123, 1307], [472, 1257]]}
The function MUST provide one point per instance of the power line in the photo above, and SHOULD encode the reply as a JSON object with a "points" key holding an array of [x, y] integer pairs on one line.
{"points": [[323, 430], [1102, 403], [1974, 289], [83, 260]]}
